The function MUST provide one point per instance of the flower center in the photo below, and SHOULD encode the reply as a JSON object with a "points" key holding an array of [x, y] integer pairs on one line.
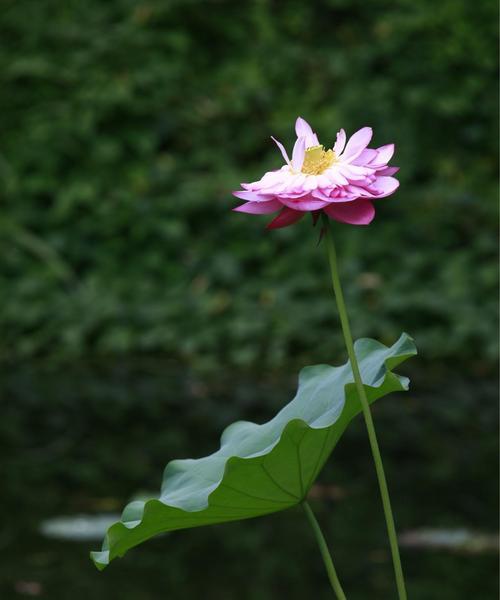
{"points": [[317, 160]]}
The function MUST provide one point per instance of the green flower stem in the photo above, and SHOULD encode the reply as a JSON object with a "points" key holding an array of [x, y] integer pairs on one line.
{"points": [[327, 559], [372, 436]]}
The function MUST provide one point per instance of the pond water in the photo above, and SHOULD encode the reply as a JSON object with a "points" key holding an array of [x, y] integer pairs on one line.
{"points": [[83, 440]]}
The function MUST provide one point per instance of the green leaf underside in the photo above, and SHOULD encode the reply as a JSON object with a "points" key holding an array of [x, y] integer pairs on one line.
{"points": [[261, 469]]}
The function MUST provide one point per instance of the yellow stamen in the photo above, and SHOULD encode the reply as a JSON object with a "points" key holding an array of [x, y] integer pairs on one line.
{"points": [[317, 160]]}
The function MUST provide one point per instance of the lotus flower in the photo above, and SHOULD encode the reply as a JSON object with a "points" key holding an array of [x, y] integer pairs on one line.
{"points": [[342, 182]]}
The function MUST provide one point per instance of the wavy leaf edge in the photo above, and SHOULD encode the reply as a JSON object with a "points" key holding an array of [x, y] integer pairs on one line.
{"points": [[140, 509]]}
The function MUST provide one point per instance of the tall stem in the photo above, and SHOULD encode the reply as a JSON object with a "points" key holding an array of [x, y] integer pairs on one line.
{"points": [[323, 547], [372, 436]]}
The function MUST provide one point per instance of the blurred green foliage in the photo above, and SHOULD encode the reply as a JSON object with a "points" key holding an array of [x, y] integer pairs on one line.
{"points": [[125, 125]]}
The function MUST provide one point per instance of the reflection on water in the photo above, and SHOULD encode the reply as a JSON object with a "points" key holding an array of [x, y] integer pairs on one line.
{"points": [[78, 528], [457, 540], [83, 440]]}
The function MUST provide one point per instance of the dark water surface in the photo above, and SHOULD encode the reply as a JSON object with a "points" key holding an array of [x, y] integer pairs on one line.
{"points": [[87, 438]]}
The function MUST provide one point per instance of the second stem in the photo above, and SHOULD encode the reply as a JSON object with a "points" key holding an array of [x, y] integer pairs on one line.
{"points": [[372, 436]]}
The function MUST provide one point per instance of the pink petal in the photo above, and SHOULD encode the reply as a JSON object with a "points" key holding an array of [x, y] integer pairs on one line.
{"points": [[269, 181], [304, 205], [388, 171], [259, 208], [282, 149], [293, 195], [356, 172], [336, 196], [303, 129], [251, 196], [356, 192], [299, 151], [340, 142], [384, 154], [385, 186], [320, 194], [286, 217], [311, 182], [337, 177], [357, 143], [358, 212], [365, 157]]}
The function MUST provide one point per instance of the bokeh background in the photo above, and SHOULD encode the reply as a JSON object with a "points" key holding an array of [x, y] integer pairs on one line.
{"points": [[139, 315]]}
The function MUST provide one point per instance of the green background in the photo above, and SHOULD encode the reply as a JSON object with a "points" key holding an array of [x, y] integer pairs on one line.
{"points": [[124, 127]]}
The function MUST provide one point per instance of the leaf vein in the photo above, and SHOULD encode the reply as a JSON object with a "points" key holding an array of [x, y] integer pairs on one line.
{"points": [[278, 485], [252, 496]]}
